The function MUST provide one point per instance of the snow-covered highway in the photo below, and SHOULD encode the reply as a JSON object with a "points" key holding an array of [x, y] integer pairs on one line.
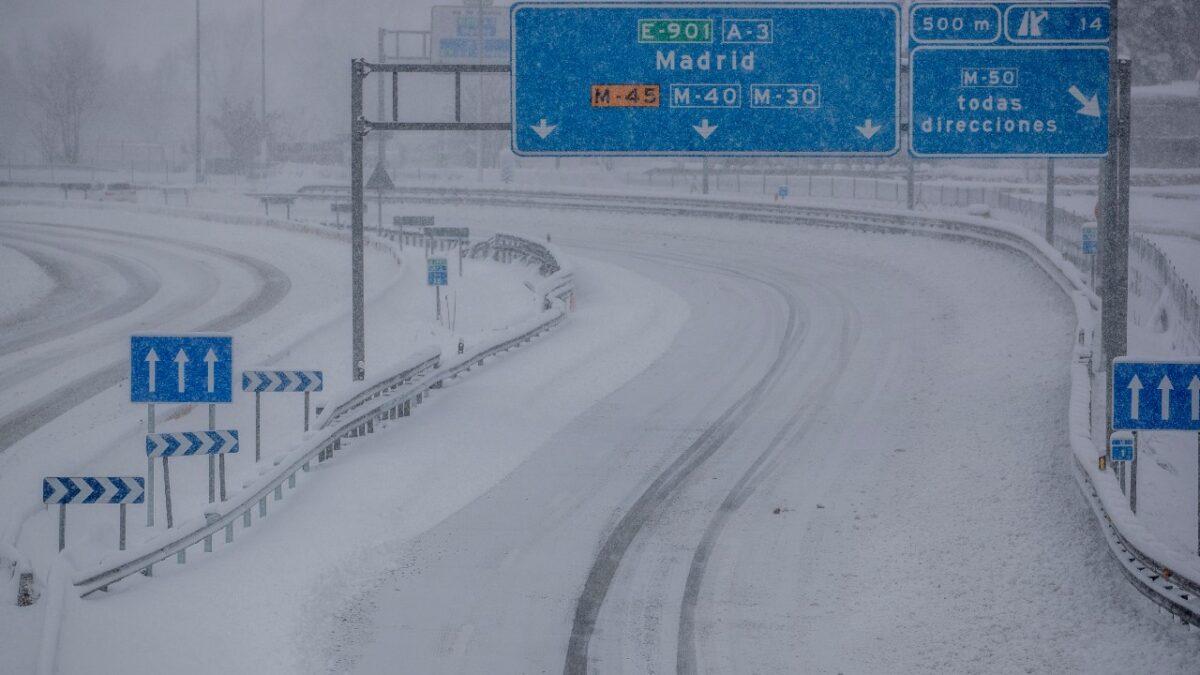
{"points": [[852, 458]]}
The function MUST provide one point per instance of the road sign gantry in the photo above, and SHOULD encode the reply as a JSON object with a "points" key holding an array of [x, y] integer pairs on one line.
{"points": [[705, 79]]}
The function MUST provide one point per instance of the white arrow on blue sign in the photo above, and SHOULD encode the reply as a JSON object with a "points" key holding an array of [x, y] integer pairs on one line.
{"points": [[1156, 395], [282, 380], [180, 369], [182, 444], [435, 270], [1010, 79], [93, 490]]}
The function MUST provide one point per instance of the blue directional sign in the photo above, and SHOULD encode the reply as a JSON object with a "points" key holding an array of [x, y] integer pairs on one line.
{"points": [[282, 380], [1121, 446], [705, 78], [1156, 395], [435, 272], [186, 443], [93, 490], [1010, 79], [1088, 238], [181, 369]]}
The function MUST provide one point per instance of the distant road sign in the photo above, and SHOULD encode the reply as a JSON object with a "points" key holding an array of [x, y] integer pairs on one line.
{"points": [[456, 233], [1121, 446], [1156, 395], [93, 490], [705, 79], [181, 369], [282, 380], [455, 38], [187, 443], [1088, 237], [436, 274], [1009, 79]]}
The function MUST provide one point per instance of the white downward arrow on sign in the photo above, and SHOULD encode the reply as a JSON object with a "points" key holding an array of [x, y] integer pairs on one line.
{"points": [[704, 128], [1135, 395], [868, 129], [152, 365], [1195, 387], [181, 360], [1165, 388], [542, 129], [1091, 106]]}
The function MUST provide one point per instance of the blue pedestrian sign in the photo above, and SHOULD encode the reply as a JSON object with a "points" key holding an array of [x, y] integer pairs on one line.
{"points": [[1010, 79], [705, 78], [1121, 446], [1088, 236], [435, 272], [1156, 395], [181, 369]]}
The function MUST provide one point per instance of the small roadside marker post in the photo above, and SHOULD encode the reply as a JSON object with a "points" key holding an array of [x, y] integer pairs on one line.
{"points": [[63, 490], [260, 381]]}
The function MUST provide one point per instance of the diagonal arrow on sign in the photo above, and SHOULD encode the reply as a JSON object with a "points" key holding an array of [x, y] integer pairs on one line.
{"points": [[1091, 106]]}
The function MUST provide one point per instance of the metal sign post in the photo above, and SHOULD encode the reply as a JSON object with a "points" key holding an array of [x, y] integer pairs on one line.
{"points": [[63, 490], [437, 276], [705, 78], [190, 443]]}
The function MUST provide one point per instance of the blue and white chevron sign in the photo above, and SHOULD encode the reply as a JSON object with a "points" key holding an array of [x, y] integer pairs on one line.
{"points": [[282, 380], [93, 490], [182, 444]]}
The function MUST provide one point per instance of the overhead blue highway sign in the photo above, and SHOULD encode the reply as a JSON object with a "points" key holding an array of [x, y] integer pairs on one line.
{"points": [[1156, 395], [181, 369], [93, 490], [705, 79], [1009, 79]]}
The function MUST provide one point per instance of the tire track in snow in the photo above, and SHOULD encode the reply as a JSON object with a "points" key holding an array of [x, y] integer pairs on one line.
{"points": [[273, 286], [614, 547]]}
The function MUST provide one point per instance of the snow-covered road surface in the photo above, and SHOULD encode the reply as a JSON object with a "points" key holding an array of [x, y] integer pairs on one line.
{"points": [[853, 458]]}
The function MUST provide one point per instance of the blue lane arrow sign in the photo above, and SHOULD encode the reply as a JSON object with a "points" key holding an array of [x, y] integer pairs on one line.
{"points": [[181, 444], [705, 78], [1036, 86], [93, 490], [180, 369], [435, 272], [282, 380], [1156, 395]]}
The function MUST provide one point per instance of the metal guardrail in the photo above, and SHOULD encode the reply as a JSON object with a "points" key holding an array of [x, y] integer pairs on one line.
{"points": [[389, 399]]}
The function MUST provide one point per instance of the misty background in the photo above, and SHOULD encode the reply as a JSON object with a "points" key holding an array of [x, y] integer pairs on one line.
{"points": [[84, 81]]}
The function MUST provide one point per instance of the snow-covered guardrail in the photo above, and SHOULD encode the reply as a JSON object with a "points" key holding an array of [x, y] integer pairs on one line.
{"points": [[1133, 547], [389, 397]]}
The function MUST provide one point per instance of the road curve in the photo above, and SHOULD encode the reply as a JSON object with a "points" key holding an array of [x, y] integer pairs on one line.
{"points": [[724, 511], [271, 285]]}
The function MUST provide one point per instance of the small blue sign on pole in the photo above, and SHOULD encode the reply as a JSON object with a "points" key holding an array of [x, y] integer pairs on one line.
{"points": [[435, 272], [1010, 79], [1121, 446], [705, 78], [783, 192], [181, 369], [1156, 395], [1089, 235]]}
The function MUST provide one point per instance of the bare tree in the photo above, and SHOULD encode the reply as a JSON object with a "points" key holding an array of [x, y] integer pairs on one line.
{"points": [[62, 80], [243, 129]]}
